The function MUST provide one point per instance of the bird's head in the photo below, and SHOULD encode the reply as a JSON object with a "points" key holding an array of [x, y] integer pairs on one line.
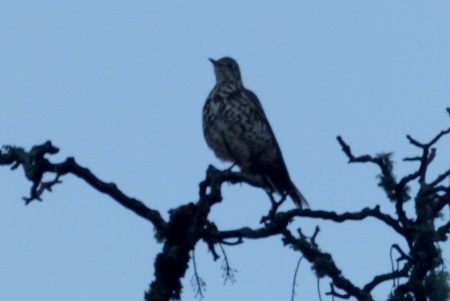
{"points": [[226, 69]]}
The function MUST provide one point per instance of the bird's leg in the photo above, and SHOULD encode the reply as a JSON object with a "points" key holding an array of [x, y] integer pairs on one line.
{"points": [[230, 168], [245, 167], [283, 198]]}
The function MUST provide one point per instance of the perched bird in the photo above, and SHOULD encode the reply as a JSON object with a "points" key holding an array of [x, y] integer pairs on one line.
{"points": [[237, 130]]}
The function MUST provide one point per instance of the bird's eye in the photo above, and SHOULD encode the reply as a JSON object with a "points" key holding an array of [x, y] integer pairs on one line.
{"points": [[230, 66]]}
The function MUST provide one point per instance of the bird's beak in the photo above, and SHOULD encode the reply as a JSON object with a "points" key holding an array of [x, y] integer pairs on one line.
{"points": [[212, 61]]}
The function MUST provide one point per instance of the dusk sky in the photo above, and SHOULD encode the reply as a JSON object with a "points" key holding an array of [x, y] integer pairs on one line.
{"points": [[120, 86]]}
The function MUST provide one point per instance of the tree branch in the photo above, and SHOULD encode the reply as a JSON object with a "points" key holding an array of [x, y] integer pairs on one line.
{"points": [[323, 265], [36, 165], [404, 272], [189, 223]]}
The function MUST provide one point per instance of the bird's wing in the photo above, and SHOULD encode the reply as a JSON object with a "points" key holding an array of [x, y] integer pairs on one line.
{"points": [[254, 99], [277, 175]]}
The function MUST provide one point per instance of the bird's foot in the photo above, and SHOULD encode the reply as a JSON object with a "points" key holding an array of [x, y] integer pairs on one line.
{"points": [[229, 169]]}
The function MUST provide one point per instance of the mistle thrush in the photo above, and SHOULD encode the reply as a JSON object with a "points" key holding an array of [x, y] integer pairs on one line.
{"points": [[237, 130]]}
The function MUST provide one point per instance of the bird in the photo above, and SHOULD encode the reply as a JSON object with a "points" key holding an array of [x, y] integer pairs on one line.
{"points": [[236, 128]]}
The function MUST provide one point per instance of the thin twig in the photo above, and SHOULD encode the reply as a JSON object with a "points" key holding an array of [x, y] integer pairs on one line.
{"points": [[294, 282]]}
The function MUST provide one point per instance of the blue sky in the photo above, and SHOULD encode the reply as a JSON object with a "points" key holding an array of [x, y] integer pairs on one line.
{"points": [[120, 86]]}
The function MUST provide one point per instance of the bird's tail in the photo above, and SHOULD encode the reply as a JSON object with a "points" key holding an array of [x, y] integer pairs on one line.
{"points": [[286, 186], [297, 197]]}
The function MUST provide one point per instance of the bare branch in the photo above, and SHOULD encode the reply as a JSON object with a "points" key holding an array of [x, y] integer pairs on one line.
{"points": [[440, 178], [197, 283], [443, 231], [324, 265], [403, 255], [349, 216], [294, 282], [228, 272], [395, 191], [35, 165], [404, 272], [429, 144], [281, 219], [189, 223], [351, 158], [333, 293]]}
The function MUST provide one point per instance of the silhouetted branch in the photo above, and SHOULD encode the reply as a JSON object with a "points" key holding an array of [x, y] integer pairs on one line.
{"points": [[282, 219], [349, 216], [197, 283], [215, 178], [443, 231], [36, 165], [404, 272], [228, 272], [333, 293], [294, 282], [324, 265], [403, 255], [429, 144], [419, 232], [428, 153], [440, 178], [396, 193], [189, 223]]}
